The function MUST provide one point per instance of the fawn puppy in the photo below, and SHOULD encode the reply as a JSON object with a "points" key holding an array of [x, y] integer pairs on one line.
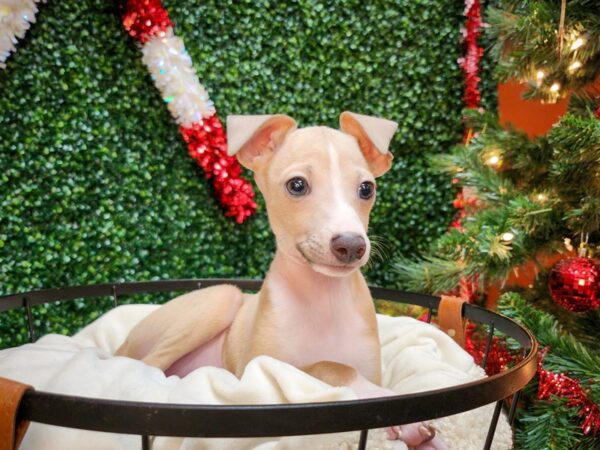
{"points": [[314, 309]]}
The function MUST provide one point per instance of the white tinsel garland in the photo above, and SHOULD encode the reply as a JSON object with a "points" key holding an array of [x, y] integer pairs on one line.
{"points": [[16, 16], [175, 77]]}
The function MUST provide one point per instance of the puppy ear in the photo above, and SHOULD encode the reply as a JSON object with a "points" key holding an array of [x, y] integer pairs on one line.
{"points": [[373, 136], [252, 138]]}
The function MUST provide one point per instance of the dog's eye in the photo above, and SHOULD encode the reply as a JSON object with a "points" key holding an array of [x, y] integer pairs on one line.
{"points": [[297, 186], [366, 190]]}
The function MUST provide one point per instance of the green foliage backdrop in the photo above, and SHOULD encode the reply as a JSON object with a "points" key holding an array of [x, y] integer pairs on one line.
{"points": [[95, 181]]}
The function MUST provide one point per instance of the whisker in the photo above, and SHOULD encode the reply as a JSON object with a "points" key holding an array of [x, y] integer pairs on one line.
{"points": [[379, 247], [379, 251]]}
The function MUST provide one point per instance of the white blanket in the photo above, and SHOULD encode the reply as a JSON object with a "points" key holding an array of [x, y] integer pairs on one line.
{"points": [[416, 357]]}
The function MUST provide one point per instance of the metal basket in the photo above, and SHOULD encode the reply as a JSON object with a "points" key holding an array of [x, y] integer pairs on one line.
{"points": [[161, 419]]}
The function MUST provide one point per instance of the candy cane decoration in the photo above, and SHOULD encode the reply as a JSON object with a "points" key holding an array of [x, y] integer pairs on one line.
{"points": [[171, 68], [16, 16]]}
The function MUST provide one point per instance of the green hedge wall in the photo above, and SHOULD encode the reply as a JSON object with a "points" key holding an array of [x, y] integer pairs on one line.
{"points": [[95, 181]]}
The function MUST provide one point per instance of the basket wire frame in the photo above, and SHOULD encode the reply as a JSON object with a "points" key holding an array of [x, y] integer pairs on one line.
{"points": [[82, 413]]}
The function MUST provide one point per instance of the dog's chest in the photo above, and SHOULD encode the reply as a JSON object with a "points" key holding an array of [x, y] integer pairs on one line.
{"points": [[327, 331]]}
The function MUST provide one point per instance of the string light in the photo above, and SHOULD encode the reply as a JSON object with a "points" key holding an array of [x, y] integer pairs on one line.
{"points": [[568, 244], [539, 76], [577, 43], [555, 88], [541, 197], [493, 160], [493, 157], [507, 236], [573, 67]]}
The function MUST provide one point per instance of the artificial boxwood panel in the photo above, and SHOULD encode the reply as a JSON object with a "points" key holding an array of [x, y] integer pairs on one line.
{"points": [[95, 181]]}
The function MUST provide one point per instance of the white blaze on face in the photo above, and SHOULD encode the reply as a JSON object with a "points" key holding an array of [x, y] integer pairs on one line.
{"points": [[304, 225], [343, 218]]}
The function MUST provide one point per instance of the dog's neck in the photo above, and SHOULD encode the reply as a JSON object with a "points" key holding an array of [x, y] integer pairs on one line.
{"points": [[295, 281]]}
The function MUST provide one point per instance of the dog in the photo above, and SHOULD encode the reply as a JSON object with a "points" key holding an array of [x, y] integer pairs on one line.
{"points": [[314, 309]]}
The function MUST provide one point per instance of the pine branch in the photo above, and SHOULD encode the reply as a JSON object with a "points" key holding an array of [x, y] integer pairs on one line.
{"points": [[576, 168], [479, 120], [548, 425], [526, 44], [537, 215], [553, 423], [467, 167], [576, 139], [539, 191], [566, 353], [430, 274], [587, 217]]}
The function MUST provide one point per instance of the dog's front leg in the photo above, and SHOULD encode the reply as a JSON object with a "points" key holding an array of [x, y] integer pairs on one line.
{"points": [[419, 436], [182, 325]]}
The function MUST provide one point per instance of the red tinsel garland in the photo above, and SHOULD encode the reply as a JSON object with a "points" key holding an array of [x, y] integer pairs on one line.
{"points": [[470, 62], [144, 19], [472, 98], [550, 383], [206, 139], [207, 144], [499, 356], [461, 203], [560, 385]]}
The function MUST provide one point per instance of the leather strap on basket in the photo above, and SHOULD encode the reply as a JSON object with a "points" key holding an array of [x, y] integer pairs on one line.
{"points": [[450, 318], [11, 430]]}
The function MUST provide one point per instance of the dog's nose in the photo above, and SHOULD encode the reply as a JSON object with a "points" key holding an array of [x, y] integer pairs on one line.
{"points": [[348, 247]]}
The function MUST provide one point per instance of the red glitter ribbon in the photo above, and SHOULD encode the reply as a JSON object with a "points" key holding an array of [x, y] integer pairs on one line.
{"points": [[206, 139], [560, 385], [499, 356], [144, 19], [470, 62], [207, 144], [472, 98]]}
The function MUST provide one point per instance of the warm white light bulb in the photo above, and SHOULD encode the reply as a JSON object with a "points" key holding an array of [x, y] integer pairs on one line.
{"points": [[555, 87], [573, 67], [507, 237], [542, 197], [539, 77], [579, 42], [493, 160]]}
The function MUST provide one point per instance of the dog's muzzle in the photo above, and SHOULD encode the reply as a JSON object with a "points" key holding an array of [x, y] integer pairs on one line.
{"points": [[348, 247]]}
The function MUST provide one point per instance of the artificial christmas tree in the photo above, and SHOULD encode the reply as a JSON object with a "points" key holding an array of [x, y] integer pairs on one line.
{"points": [[530, 224]]}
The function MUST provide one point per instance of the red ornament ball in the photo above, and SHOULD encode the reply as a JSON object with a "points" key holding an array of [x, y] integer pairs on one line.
{"points": [[574, 283]]}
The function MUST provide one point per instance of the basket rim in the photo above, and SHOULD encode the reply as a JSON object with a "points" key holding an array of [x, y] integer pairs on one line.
{"points": [[268, 420]]}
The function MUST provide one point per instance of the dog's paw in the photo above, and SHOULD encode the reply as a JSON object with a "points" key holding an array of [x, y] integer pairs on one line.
{"points": [[417, 436]]}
